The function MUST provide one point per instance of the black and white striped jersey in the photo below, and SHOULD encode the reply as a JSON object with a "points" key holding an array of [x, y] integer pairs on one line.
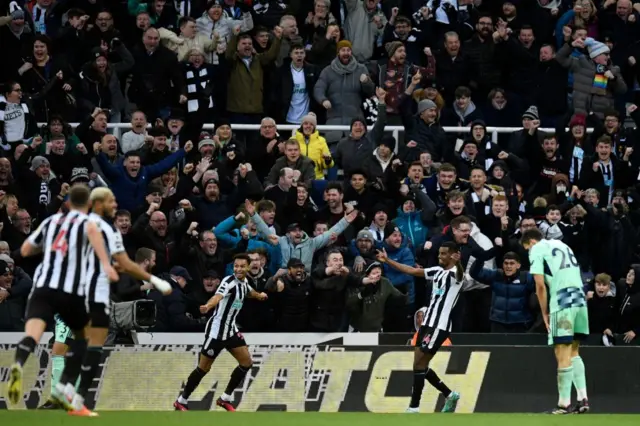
{"points": [[97, 283], [65, 247], [222, 324], [444, 295]]}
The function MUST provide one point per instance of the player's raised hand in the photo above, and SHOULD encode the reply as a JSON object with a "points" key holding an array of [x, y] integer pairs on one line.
{"points": [[381, 255], [204, 309]]}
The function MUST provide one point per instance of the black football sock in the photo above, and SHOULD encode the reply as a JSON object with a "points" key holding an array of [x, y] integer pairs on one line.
{"points": [[90, 366], [418, 386], [73, 361], [193, 381], [237, 376], [435, 381], [25, 348]]}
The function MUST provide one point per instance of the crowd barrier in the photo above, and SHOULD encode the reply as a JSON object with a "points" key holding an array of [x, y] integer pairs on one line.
{"points": [[117, 129], [302, 376]]}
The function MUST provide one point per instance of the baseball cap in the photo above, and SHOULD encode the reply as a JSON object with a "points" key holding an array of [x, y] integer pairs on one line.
{"points": [[210, 274], [4, 268], [295, 263], [293, 227], [179, 271]]}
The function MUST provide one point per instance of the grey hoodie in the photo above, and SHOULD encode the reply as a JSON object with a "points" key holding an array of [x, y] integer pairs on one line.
{"points": [[307, 247]]}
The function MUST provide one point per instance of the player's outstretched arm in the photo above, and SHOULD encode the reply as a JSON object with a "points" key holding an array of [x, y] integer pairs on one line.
{"points": [[99, 246], [212, 303], [260, 296], [410, 270], [27, 249], [127, 265]]}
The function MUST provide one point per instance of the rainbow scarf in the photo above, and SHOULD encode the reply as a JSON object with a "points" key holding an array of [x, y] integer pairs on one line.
{"points": [[599, 86]]}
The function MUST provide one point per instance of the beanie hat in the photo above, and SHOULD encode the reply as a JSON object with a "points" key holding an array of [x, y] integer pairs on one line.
{"points": [[595, 48], [15, 11], [98, 52], [426, 104], [39, 161], [392, 47], [311, 118], [222, 121], [578, 119], [388, 141], [365, 234], [344, 43], [390, 228], [205, 139], [354, 120], [469, 142], [531, 113]]}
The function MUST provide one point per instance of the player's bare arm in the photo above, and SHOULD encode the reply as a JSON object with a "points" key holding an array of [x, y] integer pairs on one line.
{"points": [[541, 293], [212, 303], [410, 270], [27, 249], [99, 246], [255, 295], [125, 264]]}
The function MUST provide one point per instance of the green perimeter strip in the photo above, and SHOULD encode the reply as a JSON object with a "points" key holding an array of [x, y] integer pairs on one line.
{"points": [[205, 418]]}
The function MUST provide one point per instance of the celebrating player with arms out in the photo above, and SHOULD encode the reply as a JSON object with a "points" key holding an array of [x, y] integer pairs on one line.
{"points": [[565, 316], [447, 282], [222, 333]]}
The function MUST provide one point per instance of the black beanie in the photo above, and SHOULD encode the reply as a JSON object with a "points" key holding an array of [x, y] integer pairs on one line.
{"points": [[360, 119], [388, 141]]}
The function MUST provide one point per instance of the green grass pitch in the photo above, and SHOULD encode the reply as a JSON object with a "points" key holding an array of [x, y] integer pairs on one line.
{"points": [[205, 418]]}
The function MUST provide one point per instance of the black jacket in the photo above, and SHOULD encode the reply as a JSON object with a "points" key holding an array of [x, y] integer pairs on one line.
{"points": [[257, 316], [156, 78], [328, 301], [292, 303], [282, 89]]}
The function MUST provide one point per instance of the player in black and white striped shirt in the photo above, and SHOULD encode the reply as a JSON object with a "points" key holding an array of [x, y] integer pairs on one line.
{"points": [[222, 333], [65, 241], [447, 280], [97, 293]]}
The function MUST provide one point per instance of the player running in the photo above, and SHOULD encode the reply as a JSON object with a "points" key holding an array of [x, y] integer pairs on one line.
{"points": [[97, 295], [565, 314], [222, 333], [447, 282], [65, 240], [62, 340]]}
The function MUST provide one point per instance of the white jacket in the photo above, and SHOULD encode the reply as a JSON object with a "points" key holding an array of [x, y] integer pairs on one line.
{"points": [[223, 28]]}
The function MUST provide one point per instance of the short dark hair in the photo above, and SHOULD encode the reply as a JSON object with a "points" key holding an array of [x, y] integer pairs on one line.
{"points": [[242, 256], [265, 206], [184, 21], [123, 212], [331, 251], [296, 46], [261, 251], [334, 185], [448, 167], [79, 195], [460, 220], [402, 20], [553, 207], [530, 235], [604, 139], [143, 253], [451, 246], [74, 12], [462, 92], [511, 256]]}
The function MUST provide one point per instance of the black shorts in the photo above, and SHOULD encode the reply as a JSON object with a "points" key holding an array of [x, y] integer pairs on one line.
{"points": [[430, 339], [212, 347], [99, 314], [44, 303]]}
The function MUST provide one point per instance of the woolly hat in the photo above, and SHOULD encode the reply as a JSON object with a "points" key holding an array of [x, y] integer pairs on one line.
{"points": [[388, 141], [392, 47], [531, 113], [595, 48], [578, 119], [311, 118], [343, 43], [15, 11], [39, 161], [358, 119], [426, 104], [365, 234], [98, 52], [205, 139], [390, 228]]}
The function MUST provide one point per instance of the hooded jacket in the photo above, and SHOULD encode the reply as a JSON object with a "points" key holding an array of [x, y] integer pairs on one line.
{"points": [[315, 148], [307, 246]]}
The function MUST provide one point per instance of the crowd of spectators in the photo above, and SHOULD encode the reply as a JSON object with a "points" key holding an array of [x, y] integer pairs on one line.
{"points": [[312, 207]]}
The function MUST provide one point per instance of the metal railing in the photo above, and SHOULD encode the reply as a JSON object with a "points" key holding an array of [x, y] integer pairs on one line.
{"points": [[117, 129]]}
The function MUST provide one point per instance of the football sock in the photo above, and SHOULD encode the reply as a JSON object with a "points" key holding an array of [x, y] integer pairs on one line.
{"points": [[565, 379], [193, 381], [418, 386], [579, 377], [73, 361], [24, 349], [57, 365], [237, 376], [89, 369], [435, 381]]}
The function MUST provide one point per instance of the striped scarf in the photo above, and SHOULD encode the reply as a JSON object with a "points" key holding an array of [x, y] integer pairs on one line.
{"points": [[600, 81]]}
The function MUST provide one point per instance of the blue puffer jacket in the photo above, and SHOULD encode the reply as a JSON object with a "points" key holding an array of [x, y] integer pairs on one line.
{"points": [[229, 237], [412, 227], [131, 192], [405, 256], [511, 296]]}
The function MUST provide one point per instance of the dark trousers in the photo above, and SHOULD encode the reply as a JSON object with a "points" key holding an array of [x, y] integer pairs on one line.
{"points": [[476, 305], [497, 327]]}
